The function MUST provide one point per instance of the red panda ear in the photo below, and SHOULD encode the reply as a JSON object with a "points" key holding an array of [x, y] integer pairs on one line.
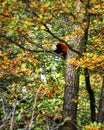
{"points": [[54, 47]]}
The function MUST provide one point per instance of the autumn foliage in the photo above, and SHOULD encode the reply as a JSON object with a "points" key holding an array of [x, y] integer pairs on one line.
{"points": [[32, 74]]}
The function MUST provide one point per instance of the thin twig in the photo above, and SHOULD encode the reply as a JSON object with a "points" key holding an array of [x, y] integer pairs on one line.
{"points": [[13, 113], [47, 124], [33, 113]]}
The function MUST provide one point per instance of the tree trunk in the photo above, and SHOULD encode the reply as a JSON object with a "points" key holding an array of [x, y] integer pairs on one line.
{"points": [[101, 105], [72, 74], [71, 96]]}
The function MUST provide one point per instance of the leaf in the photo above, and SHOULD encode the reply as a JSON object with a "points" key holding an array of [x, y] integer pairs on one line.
{"points": [[9, 1], [46, 5], [19, 117], [42, 27]]}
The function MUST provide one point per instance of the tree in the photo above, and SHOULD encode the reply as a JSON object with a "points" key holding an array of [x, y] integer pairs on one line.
{"points": [[28, 31]]}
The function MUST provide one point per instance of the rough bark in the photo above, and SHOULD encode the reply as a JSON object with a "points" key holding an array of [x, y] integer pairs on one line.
{"points": [[72, 76], [70, 96], [100, 118], [72, 85]]}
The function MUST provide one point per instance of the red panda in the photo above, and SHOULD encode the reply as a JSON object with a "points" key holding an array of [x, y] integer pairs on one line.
{"points": [[61, 49]]}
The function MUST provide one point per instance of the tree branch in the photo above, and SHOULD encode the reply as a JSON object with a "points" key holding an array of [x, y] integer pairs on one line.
{"points": [[5, 89], [9, 39], [35, 51], [61, 40], [4, 15], [91, 95], [87, 76], [50, 32]]}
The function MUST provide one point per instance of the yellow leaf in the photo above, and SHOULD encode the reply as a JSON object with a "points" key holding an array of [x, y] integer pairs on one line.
{"points": [[46, 4], [33, 4], [41, 18], [4, 3], [76, 100], [34, 19], [42, 10], [95, 57], [27, 22], [42, 27], [36, 28], [67, 83], [46, 41], [71, 61], [93, 0]]}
